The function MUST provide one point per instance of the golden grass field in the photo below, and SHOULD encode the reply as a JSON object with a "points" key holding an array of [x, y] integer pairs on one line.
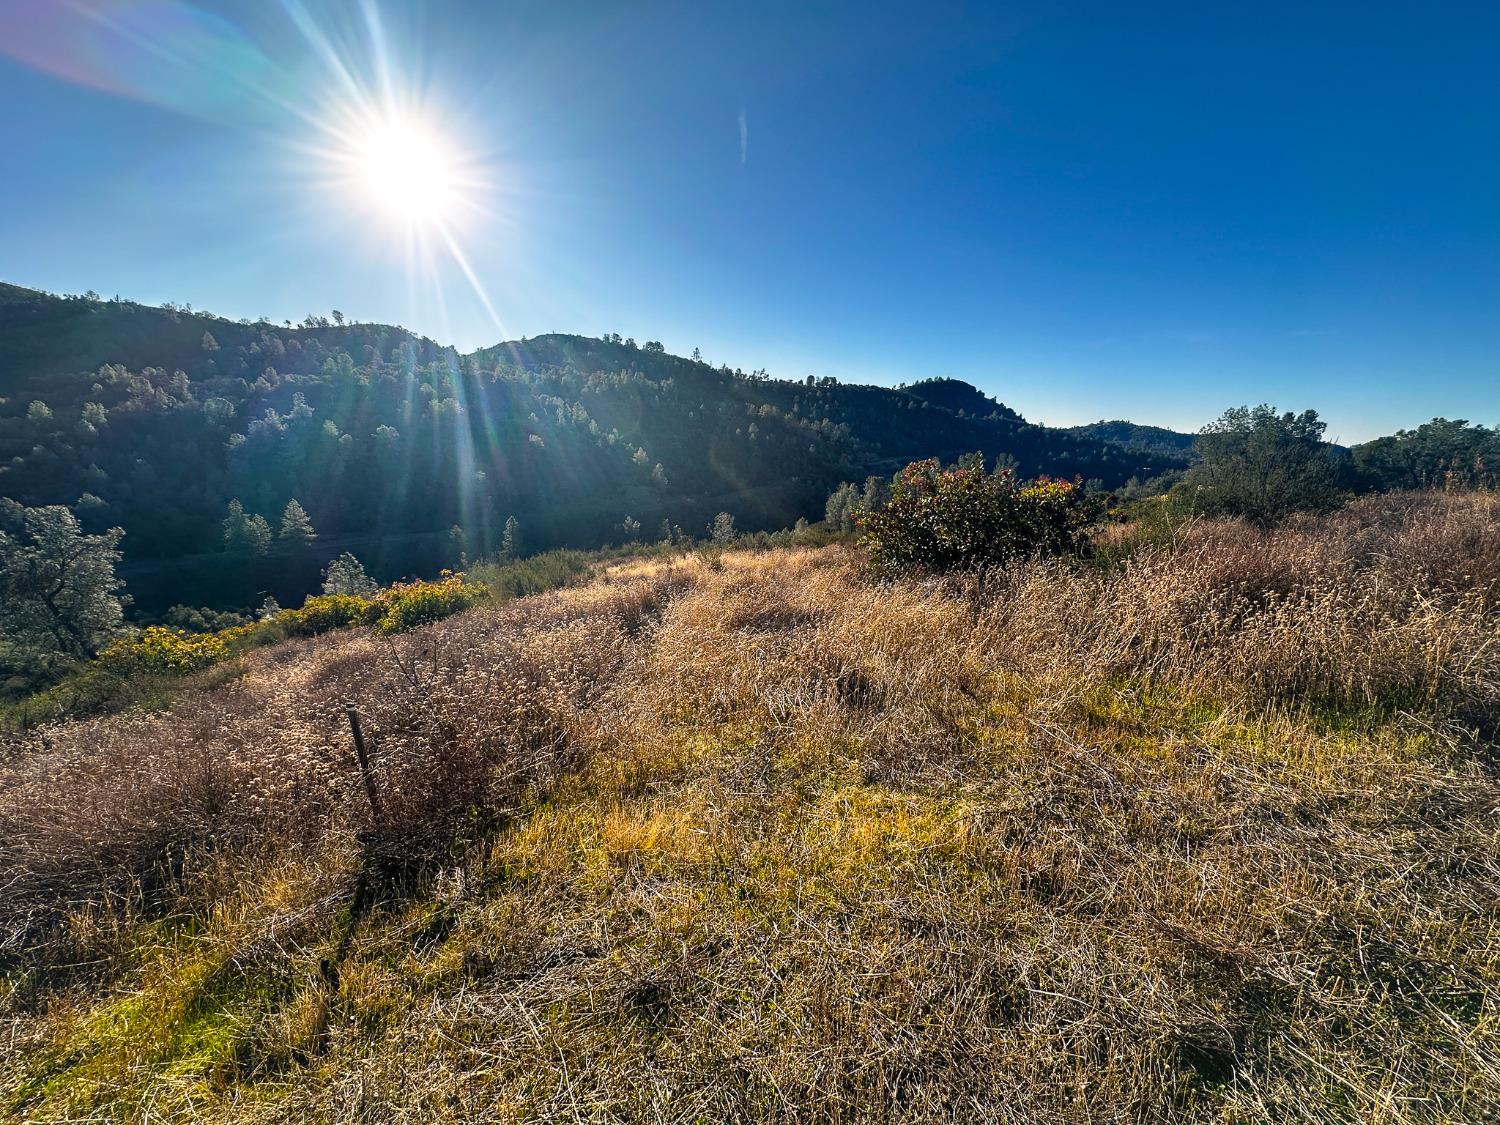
{"points": [[1202, 830]]}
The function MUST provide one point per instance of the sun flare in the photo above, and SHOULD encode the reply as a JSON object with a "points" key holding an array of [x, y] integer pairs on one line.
{"points": [[407, 171]]}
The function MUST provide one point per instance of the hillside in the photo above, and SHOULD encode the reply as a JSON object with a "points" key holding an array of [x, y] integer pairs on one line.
{"points": [[1129, 435], [158, 417], [1205, 833]]}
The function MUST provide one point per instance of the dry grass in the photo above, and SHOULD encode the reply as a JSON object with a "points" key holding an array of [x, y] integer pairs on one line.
{"points": [[1209, 835]]}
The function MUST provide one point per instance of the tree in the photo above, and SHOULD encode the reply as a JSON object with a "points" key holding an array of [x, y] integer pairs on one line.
{"points": [[664, 532], [877, 493], [92, 416], [1262, 465], [1440, 453], [296, 527], [59, 597], [245, 534], [510, 540], [631, 527], [722, 529], [458, 546], [209, 343], [841, 507], [346, 575]]}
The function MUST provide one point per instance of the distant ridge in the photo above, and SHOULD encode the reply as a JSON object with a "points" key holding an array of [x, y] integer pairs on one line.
{"points": [[157, 417]]}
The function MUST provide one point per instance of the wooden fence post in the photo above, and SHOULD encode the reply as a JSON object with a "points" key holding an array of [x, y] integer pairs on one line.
{"points": [[363, 758]]}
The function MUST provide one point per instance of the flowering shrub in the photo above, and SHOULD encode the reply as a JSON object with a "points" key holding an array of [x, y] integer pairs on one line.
{"points": [[323, 612], [940, 518], [166, 652], [409, 604]]}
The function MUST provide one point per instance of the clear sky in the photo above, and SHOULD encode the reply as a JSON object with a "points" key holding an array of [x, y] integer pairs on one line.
{"points": [[1148, 210]]}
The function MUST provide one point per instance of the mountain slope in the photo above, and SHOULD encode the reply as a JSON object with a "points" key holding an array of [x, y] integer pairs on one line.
{"points": [[159, 417]]}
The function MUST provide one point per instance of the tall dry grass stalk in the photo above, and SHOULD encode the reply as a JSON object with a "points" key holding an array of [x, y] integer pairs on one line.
{"points": [[1207, 835]]}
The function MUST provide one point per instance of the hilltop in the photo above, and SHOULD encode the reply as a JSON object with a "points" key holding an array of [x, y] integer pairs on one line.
{"points": [[156, 418], [1200, 831], [1130, 435]]}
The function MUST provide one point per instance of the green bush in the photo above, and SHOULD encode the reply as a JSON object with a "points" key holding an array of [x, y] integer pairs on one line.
{"points": [[323, 612], [940, 519], [407, 605], [534, 574], [163, 651]]}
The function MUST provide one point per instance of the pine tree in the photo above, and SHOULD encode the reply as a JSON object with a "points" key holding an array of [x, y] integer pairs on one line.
{"points": [[245, 534], [260, 535], [346, 575], [510, 540], [296, 527], [722, 529]]}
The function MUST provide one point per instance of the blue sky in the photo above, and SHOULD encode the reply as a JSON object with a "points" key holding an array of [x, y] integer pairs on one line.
{"points": [[1149, 211]]}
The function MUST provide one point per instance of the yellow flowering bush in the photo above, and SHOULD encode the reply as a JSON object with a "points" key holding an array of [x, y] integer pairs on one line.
{"points": [[409, 604], [323, 612], [166, 652]]}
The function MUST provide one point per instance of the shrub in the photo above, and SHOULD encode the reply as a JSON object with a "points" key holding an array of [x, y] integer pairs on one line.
{"points": [[533, 574], [940, 519], [164, 651], [409, 604], [193, 619], [322, 612]]}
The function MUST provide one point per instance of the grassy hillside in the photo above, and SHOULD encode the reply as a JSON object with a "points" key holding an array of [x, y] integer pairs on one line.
{"points": [[1202, 831]]}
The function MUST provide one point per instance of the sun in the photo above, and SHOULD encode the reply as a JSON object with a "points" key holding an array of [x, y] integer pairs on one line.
{"points": [[407, 171]]}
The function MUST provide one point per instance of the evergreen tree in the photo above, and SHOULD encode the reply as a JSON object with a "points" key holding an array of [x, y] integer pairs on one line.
{"points": [[296, 527], [458, 547], [722, 529], [59, 597], [245, 534], [631, 527], [1262, 465], [664, 532], [346, 575], [510, 540]]}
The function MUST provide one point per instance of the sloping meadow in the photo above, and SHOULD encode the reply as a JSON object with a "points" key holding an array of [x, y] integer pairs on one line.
{"points": [[1207, 833]]}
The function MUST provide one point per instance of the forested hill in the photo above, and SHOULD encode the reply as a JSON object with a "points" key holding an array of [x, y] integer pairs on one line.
{"points": [[154, 419], [1131, 435]]}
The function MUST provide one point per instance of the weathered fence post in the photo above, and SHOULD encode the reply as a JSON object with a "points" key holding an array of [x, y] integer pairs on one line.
{"points": [[363, 758]]}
